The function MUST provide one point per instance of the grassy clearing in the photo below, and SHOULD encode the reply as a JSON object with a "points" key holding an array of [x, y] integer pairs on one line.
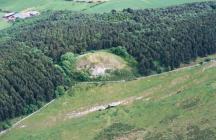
{"points": [[173, 102], [97, 66], [103, 66], [101, 58]]}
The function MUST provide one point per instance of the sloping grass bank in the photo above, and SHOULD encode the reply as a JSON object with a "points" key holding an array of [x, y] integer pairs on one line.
{"points": [[174, 104]]}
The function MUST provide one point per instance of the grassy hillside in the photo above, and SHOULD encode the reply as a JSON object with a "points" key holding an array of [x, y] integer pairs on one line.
{"points": [[174, 105]]}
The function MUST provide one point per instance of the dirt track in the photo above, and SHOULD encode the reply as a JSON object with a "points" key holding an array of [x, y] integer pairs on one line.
{"points": [[82, 112]]}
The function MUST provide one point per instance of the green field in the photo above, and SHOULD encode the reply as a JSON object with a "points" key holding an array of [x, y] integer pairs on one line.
{"points": [[20, 5], [172, 103], [137, 4], [40, 5], [43, 5]]}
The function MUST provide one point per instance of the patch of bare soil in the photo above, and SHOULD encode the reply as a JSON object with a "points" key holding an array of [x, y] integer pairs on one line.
{"points": [[99, 63], [83, 112]]}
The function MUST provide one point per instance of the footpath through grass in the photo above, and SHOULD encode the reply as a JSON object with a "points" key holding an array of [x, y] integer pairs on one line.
{"points": [[173, 103]]}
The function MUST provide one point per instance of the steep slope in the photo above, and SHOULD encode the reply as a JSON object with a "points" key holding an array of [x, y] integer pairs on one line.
{"points": [[173, 105]]}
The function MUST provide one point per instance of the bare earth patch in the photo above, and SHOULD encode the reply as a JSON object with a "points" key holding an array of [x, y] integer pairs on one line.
{"points": [[99, 63], [82, 112]]}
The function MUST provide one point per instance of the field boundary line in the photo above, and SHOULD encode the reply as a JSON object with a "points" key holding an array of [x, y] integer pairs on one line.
{"points": [[17, 123]]}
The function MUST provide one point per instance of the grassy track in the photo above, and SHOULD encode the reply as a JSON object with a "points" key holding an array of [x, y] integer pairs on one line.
{"points": [[172, 101]]}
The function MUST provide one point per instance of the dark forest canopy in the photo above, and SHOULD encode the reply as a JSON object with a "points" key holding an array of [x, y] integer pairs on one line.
{"points": [[27, 80], [159, 40], [167, 36]]}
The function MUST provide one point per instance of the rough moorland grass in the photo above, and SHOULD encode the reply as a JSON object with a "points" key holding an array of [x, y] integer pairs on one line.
{"points": [[175, 105]]}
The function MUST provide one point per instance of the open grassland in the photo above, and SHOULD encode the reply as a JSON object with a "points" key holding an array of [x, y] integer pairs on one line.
{"points": [[20, 5], [42, 5], [137, 4], [39, 5], [173, 104]]}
